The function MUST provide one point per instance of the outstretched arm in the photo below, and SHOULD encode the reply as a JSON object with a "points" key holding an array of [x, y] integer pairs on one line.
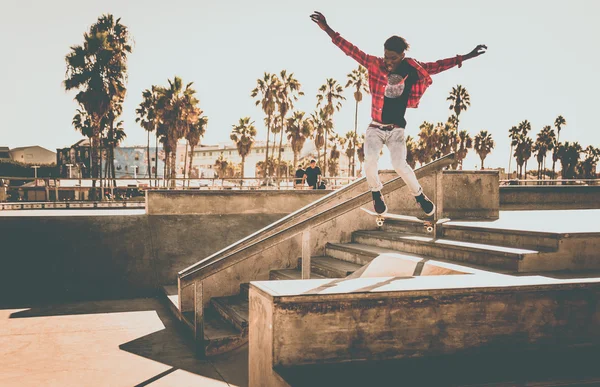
{"points": [[347, 47], [445, 64]]}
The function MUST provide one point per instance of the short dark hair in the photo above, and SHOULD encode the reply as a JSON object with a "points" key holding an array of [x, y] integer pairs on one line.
{"points": [[313, 161], [396, 44]]}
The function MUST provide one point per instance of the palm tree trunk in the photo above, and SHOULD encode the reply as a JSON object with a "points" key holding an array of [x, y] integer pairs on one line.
{"points": [[185, 160], [325, 155], [295, 159], [156, 159], [267, 151], [191, 162], [149, 161], [242, 179], [354, 141], [280, 145]]}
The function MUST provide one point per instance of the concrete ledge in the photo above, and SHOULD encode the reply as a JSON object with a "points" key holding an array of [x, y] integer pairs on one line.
{"points": [[549, 197], [175, 202], [372, 319]]}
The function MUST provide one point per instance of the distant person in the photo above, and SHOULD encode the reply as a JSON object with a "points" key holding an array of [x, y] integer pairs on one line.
{"points": [[396, 83], [299, 182], [312, 175]]}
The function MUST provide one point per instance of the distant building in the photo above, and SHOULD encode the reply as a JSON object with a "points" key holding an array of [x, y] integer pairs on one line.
{"points": [[203, 163], [75, 161], [132, 161], [33, 155], [4, 153]]}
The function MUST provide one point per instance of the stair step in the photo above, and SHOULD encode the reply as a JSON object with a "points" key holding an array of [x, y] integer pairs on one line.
{"points": [[291, 274], [330, 267], [357, 253], [487, 255], [534, 240], [220, 336], [404, 226], [233, 309]]}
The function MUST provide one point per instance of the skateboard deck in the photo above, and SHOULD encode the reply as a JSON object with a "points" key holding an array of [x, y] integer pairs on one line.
{"points": [[427, 224]]}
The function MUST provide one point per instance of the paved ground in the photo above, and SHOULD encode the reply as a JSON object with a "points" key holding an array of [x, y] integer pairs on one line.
{"points": [[106, 343], [558, 221]]}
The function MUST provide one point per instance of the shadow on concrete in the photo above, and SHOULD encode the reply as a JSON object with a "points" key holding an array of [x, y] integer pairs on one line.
{"points": [[171, 346], [565, 367]]}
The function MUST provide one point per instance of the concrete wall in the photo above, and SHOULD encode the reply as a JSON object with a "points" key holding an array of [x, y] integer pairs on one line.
{"points": [[109, 256], [168, 202], [287, 330], [549, 197]]}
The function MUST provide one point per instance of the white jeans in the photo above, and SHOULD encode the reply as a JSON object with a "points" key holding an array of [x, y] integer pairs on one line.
{"points": [[394, 139]]}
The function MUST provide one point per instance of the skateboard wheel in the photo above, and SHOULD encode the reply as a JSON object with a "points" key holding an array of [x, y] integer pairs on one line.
{"points": [[379, 222], [429, 229]]}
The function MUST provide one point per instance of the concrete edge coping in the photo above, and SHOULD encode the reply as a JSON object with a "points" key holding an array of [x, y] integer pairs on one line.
{"points": [[548, 234], [228, 192], [312, 290]]}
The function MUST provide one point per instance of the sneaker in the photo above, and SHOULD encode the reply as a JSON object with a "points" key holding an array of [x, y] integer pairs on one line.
{"points": [[426, 204], [378, 202]]}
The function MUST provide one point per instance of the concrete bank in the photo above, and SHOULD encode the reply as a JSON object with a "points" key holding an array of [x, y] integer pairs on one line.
{"points": [[109, 256], [549, 197], [175, 202]]}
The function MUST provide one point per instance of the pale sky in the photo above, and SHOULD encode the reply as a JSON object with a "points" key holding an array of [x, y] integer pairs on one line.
{"points": [[542, 61]]}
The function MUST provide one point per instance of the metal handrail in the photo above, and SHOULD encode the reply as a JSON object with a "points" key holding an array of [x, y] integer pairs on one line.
{"points": [[295, 224]]}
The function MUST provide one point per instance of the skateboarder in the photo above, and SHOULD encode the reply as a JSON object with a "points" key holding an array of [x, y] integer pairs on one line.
{"points": [[396, 82]]}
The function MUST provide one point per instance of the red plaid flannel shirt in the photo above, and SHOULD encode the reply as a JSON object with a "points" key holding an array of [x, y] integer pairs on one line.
{"points": [[378, 75]]}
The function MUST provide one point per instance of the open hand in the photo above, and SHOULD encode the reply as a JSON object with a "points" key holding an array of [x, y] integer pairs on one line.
{"points": [[480, 49], [318, 18]]}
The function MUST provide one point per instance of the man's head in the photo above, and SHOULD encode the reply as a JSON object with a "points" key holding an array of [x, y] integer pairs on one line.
{"points": [[394, 49], [313, 163]]}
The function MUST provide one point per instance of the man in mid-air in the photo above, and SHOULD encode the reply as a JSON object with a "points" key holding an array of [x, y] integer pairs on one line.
{"points": [[396, 82]]}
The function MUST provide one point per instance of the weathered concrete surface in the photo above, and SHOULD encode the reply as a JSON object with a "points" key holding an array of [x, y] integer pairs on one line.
{"points": [[173, 202], [321, 321], [109, 256], [105, 343], [549, 197], [467, 195]]}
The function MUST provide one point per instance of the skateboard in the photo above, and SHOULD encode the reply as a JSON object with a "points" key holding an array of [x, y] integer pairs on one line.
{"points": [[427, 224]]}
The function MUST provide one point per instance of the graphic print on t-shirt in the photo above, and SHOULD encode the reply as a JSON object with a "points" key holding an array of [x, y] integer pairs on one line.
{"points": [[395, 86]]}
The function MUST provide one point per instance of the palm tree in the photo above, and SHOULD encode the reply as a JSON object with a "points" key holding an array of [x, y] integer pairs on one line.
{"points": [[265, 90], [149, 120], [544, 142], [513, 134], [243, 135], [587, 167], [195, 133], [320, 123], [411, 152], [558, 123], [429, 140], [360, 150], [288, 90], [98, 70], [465, 143], [351, 142], [358, 79], [569, 155], [179, 112], [299, 129], [222, 166], [334, 155], [460, 100], [523, 144], [329, 97], [483, 145]]}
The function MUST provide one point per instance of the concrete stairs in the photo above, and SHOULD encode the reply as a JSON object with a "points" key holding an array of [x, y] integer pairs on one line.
{"points": [[226, 318]]}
